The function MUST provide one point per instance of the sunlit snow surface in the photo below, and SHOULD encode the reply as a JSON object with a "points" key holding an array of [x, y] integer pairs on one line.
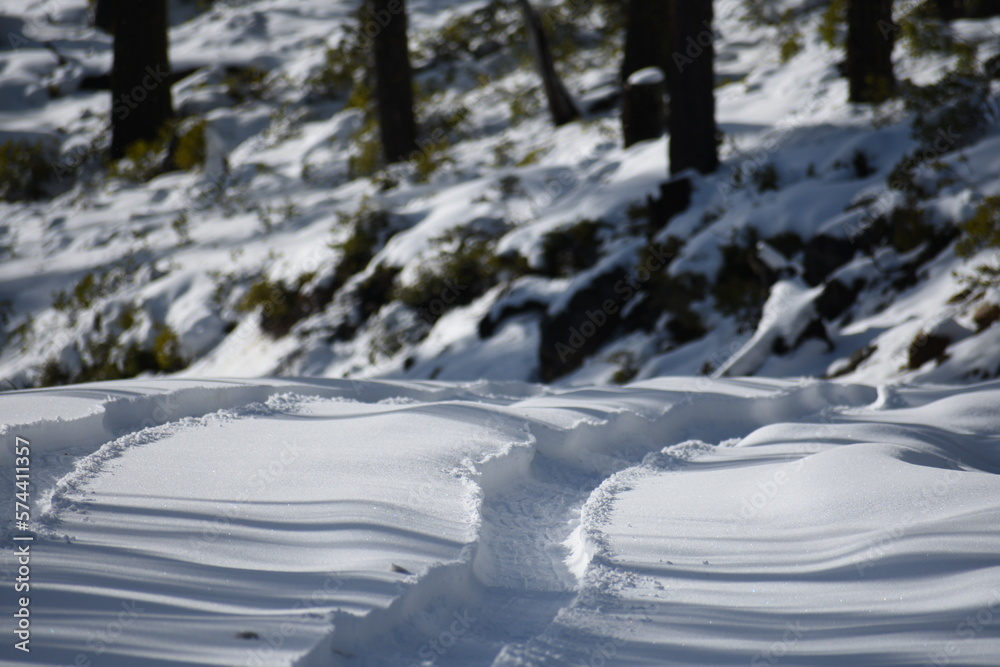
{"points": [[679, 521]]}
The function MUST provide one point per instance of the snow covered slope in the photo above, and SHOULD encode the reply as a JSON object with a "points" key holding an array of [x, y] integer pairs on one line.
{"points": [[113, 278], [673, 521]]}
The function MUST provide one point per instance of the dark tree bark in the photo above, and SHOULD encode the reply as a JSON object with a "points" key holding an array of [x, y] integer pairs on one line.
{"points": [[104, 15], [647, 36], [561, 104], [393, 80], [141, 103], [643, 113], [647, 44], [870, 38], [950, 10], [691, 85]]}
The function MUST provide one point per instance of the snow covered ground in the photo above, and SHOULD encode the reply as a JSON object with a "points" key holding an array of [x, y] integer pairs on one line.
{"points": [[378, 487], [682, 521]]}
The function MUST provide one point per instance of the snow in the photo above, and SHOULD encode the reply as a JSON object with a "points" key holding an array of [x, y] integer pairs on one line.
{"points": [[310, 500], [676, 521]]}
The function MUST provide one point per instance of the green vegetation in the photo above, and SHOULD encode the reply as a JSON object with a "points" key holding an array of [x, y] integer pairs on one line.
{"points": [[144, 160], [370, 227], [573, 248], [247, 83], [26, 169], [948, 114], [189, 150], [336, 78], [465, 269], [982, 230], [743, 282], [103, 356], [765, 178], [93, 286], [834, 16]]}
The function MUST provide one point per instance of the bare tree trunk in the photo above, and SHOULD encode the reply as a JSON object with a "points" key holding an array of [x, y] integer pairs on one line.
{"points": [[870, 38], [647, 44], [691, 84], [141, 103], [561, 104], [647, 36], [393, 80]]}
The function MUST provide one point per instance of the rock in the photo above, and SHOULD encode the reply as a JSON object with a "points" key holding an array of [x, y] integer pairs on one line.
{"points": [[927, 347], [823, 255], [985, 316], [581, 328], [836, 298]]}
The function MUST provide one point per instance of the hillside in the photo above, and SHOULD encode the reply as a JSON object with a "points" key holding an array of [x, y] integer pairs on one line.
{"points": [[824, 246]]}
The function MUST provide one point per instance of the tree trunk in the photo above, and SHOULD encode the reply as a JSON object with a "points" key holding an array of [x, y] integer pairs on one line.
{"points": [[870, 37], [393, 80], [647, 36], [691, 85], [643, 114], [141, 103], [561, 104], [647, 44]]}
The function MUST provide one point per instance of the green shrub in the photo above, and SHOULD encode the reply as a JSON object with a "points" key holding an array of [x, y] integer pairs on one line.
{"points": [[743, 282], [982, 230], [862, 167], [765, 178], [791, 47], [909, 229], [26, 169], [370, 228], [104, 357], [145, 160], [246, 83], [335, 78], [465, 270], [788, 244], [94, 285], [948, 114], [189, 150], [368, 160], [834, 16], [573, 248]]}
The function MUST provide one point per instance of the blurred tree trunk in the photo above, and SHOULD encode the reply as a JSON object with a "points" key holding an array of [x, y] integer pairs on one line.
{"points": [[691, 85], [647, 36], [141, 103], [393, 80], [647, 44], [561, 104], [870, 38]]}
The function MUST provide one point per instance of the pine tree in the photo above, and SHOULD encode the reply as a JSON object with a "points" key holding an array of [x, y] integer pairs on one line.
{"points": [[691, 85], [870, 38], [141, 102], [393, 80], [561, 104]]}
